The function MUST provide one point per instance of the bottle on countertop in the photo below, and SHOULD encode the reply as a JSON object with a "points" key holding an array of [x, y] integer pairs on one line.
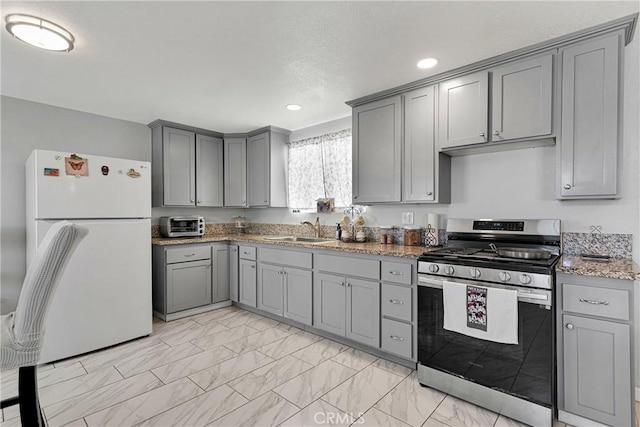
{"points": [[338, 232]]}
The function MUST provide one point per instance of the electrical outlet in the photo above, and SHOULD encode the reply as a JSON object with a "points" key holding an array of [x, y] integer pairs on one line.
{"points": [[407, 218]]}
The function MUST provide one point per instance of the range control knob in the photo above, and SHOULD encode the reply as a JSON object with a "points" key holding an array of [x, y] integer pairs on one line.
{"points": [[449, 270], [504, 276], [474, 272], [433, 268], [525, 279]]}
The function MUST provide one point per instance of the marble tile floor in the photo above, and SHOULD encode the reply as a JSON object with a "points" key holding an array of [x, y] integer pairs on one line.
{"points": [[230, 367]]}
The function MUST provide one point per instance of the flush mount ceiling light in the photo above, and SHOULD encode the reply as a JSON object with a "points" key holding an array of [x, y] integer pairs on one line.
{"points": [[427, 63], [294, 107], [40, 33]]}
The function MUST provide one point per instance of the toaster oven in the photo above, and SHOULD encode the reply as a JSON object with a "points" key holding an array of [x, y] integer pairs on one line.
{"points": [[181, 226]]}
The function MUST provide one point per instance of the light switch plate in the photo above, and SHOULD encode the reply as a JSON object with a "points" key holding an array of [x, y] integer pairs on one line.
{"points": [[407, 218]]}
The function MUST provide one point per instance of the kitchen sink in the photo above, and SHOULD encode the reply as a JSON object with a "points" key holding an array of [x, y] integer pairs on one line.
{"points": [[297, 239]]}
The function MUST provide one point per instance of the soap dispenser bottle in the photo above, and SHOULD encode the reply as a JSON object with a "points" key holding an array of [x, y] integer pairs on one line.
{"points": [[338, 232]]}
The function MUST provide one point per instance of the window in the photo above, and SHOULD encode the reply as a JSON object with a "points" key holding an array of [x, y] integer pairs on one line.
{"points": [[320, 167]]}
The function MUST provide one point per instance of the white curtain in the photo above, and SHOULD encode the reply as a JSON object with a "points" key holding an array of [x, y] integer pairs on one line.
{"points": [[320, 167]]}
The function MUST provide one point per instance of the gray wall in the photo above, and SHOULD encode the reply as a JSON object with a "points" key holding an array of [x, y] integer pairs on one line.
{"points": [[26, 126]]}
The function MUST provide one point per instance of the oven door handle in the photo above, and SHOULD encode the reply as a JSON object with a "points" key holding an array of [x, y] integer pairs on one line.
{"points": [[437, 284]]}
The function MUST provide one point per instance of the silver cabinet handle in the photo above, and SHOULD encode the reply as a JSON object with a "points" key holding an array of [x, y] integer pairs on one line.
{"points": [[189, 255], [253, 266], [246, 253], [341, 283], [265, 201], [393, 337], [355, 197], [567, 187], [482, 134], [569, 326], [588, 301], [191, 200], [429, 193], [395, 301], [396, 273], [199, 201], [495, 132], [348, 284]]}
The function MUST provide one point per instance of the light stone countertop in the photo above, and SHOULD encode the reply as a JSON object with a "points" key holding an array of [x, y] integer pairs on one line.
{"points": [[369, 248], [614, 268]]}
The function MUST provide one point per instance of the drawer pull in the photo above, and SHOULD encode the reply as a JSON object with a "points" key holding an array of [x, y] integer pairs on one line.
{"points": [[396, 273], [189, 255], [341, 283], [395, 338], [588, 301], [253, 266], [395, 301], [246, 253]]}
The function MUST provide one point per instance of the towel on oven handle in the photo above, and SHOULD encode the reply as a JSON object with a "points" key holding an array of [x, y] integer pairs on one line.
{"points": [[469, 312]]}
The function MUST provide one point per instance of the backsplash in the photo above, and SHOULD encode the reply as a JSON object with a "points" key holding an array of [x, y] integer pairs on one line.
{"points": [[614, 245]]}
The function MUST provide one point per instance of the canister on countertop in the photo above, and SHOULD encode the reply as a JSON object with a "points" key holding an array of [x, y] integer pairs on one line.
{"points": [[385, 233], [412, 236]]}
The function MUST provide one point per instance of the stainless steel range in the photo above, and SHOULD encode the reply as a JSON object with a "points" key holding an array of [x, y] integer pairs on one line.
{"points": [[492, 263]]}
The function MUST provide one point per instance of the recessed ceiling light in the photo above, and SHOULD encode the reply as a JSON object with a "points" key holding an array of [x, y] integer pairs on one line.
{"points": [[40, 33], [427, 63], [294, 107]]}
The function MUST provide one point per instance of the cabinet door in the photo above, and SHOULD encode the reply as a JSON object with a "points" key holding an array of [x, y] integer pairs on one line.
{"points": [[590, 118], [329, 303], [377, 133], [419, 145], [363, 311], [270, 288], [463, 110], [188, 285], [597, 369], [258, 170], [298, 295], [233, 273], [209, 171], [179, 167], [220, 279], [235, 172], [522, 99], [247, 282]]}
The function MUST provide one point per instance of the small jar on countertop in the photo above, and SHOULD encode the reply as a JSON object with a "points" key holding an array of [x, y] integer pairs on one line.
{"points": [[412, 236]]}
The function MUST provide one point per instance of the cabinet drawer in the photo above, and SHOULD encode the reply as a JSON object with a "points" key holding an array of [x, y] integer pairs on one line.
{"points": [[284, 257], [396, 338], [187, 253], [396, 302], [366, 268], [396, 272], [248, 252], [596, 301]]}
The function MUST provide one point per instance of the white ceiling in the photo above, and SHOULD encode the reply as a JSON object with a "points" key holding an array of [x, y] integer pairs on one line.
{"points": [[233, 66]]}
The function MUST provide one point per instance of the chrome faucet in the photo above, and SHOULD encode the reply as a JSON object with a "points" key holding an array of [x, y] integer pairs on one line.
{"points": [[316, 227]]}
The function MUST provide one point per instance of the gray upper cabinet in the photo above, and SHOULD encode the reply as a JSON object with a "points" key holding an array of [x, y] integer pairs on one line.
{"points": [[186, 165], [179, 167], [590, 116], [209, 171], [258, 170], [235, 172], [426, 172], [521, 105], [377, 147], [463, 110]]}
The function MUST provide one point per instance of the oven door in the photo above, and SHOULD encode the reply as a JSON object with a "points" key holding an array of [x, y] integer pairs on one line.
{"points": [[524, 370]]}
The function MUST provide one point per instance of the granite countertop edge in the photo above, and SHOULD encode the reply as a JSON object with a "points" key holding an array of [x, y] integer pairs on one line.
{"points": [[614, 268], [369, 248]]}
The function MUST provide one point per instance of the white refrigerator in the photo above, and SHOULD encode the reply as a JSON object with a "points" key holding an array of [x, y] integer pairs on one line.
{"points": [[104, 297]]}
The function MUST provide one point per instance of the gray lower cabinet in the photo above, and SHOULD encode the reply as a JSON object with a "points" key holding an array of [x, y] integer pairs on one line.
{"points": [[220, 277], [233, 272], [590, 116], [377, 148], [398, 323], [247, 285], [595, 355], [181, 278], [285, 283], [349, 307]]}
